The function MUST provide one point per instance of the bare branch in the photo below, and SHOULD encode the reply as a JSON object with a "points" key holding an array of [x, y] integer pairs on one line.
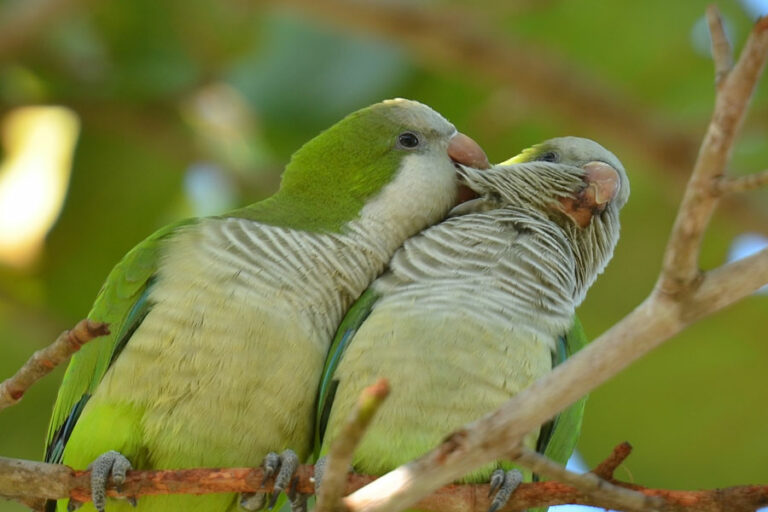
{"points": [[24, 480], [31, 482], [680, 269], [589, 483], [732, 185], [607, 468], [342, 450], [45, 360], [729, 283], [722, 53]]}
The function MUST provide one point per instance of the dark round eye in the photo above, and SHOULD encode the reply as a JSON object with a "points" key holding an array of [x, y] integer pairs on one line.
{"points": [[408, 140], [549, 156]]}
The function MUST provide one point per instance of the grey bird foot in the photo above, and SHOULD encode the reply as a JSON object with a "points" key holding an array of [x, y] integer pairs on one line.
{"points": [[503, 484], [285, 466], [112, 464], [319, 472]]}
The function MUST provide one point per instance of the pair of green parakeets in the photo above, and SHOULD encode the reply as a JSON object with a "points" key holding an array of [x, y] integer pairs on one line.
{"points": [[229, 336]]}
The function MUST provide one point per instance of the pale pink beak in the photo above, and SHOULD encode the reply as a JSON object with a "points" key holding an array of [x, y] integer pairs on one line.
{"points": [[603, 185], [466, 151]]}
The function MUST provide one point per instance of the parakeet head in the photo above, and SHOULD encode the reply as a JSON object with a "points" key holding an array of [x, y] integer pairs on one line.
{"points": [[577, 183], [588, 155], [393, 162]]}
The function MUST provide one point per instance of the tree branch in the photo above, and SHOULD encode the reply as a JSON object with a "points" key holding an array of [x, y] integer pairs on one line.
{"points": [[722, 52], [732, 185], [45, 360], [607, 468], [24, 480], [340, 457], [680, 268], [590, 484]]}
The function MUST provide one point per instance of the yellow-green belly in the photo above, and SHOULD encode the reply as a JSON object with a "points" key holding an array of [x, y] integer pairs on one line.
{"points": [[445, 370]]}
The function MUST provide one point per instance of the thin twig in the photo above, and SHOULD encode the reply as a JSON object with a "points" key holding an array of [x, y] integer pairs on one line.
{"points": [[589, 483], [607, 468], [722, 53], [45, 360], [340, 457], [682, 296], [736, 184], [680, 268]]}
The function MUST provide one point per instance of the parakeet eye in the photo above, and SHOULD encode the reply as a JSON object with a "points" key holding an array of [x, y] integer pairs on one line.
{"points": [[407, 140], [549, 156]]}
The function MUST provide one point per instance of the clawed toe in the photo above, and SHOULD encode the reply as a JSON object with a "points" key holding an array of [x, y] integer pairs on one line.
{"points": [[284, 465], [503, 484], [111, 464]]}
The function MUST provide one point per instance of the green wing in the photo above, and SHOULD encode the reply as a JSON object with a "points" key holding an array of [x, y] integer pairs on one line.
{"points": [[122, 302], [558, 437], [564, 434], [346, 331]]}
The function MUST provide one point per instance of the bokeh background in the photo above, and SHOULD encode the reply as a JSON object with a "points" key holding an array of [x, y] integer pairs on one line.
{"points": [[120, 117]]}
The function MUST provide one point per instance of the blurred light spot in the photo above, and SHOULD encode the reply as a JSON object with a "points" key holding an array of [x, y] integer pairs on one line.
{"points": [[577, 465], [226, 126], [755, 8], [700, 39], [38, 143], [209, 190], [220, 108], [746, 245]]}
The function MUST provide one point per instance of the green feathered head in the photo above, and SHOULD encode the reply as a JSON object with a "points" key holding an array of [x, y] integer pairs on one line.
{"points": [[395, 157]]}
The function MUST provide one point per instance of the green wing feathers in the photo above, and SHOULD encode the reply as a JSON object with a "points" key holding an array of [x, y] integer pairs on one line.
{"points": [[122, 303], [346, 331], [558, 438], [566, 427]]}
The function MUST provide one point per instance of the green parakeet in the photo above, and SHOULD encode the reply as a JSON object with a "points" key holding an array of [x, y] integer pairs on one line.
{"points": [[474, 309], [221, 325]]}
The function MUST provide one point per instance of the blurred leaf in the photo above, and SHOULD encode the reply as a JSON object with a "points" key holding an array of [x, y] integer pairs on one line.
{"points": [[286, 82]]}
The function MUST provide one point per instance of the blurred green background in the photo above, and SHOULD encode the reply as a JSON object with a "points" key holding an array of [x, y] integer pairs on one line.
{"points": [[190, 108]]}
